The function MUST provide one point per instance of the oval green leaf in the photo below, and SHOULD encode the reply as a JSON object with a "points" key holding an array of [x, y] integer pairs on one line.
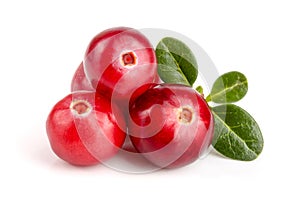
{"points": [[228, 88], [176, 62], [236, 134]]}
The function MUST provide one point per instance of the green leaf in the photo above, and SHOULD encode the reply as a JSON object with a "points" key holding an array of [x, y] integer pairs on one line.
{"points": [[200, 89], [228, 88], [176, 62], [236, 134]]}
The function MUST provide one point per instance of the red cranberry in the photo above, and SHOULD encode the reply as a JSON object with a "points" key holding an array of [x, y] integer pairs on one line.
{"points": [[171, 125], [119, 60], [79, 80], [83, 130]]}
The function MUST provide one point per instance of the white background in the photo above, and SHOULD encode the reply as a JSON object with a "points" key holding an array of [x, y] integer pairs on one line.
{"points": [[42, 43]]}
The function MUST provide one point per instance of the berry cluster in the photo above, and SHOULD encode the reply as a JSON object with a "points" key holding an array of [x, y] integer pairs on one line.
{"points": [[116, 93]]}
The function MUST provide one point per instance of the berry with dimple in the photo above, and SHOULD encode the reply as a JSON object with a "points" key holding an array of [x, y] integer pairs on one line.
{"points": [[171, 125], [119, 60], [84, 128]]}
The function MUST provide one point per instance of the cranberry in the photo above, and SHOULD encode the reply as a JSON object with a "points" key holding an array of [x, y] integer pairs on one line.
{"points": [[118, 60], [171, 125], [79, 80], [83, 130]]}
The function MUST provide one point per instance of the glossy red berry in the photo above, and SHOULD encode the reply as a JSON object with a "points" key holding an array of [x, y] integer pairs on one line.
{"points": [[79, 80], [84, 128], [171, 125], [119, 60]]}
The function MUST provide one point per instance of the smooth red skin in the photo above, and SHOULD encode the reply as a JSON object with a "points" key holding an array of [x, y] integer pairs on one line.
{"points": [[155, 131], [104, 69], [79, 80], [79, 140]]}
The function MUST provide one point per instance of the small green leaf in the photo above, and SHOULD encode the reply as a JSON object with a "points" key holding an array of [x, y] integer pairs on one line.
{"points": [[176, 62], [228, 88], [200, 89], [236, 134]]}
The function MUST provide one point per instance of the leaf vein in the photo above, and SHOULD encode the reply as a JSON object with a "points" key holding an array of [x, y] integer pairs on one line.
{"points": [[228, 88], [177, 64], [232, 132]]}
